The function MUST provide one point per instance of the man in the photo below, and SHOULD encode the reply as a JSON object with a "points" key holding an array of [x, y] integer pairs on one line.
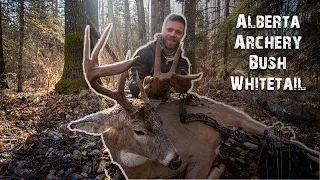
{"points": [[173, 32]]}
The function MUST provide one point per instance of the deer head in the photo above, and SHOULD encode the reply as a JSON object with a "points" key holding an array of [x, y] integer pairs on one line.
{"points": [[131, 129]]}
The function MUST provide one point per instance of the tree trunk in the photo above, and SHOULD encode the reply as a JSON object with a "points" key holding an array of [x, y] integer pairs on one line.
{"points": [[164, 10], [56, 8], [141, 22], [159, 10], [72, 79], [111, 16], [182, 7], [225, 47], [74, 17], [127, 37], [21, 35], [206, 28], [190, 41], [167, 8], [154, 16], [102, 15], [91, 18], [216, 49], [3, 82], [218, 11], [207, 24]]}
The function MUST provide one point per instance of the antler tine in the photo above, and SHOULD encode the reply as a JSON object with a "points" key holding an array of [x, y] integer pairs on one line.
{"points": [[92, 70], [123, 76], [128, 55], [166, 76], [157, 59], [122, 82], [119, 97], [86, 45], [102, 42], [91, 66], [191, 76], [175, 60], [142, 90]]}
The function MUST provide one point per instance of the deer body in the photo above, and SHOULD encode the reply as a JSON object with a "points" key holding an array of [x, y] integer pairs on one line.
{"points": [[150, 141], [195, 143]]}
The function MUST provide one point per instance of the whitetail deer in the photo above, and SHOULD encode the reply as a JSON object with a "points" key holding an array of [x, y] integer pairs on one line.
{"points": [[149, 141]]}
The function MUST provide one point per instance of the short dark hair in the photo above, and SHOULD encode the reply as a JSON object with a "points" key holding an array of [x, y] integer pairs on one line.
{"points": [[176, 17]]}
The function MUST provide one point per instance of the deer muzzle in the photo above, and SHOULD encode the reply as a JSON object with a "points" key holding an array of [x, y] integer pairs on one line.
{"points": [[175, 163]]}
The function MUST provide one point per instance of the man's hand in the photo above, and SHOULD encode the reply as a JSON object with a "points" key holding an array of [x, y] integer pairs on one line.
{"points": [[155, 84], [179, 84]]}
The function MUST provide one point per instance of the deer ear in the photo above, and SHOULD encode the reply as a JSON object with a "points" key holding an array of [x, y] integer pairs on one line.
{"points": [[93, 124]]}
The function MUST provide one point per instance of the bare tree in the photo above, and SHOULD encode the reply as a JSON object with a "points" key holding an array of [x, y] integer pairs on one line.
{"points": [[127, 39], [218, 11], [216, 21], [159, 10], [56, 7], [112, 19], [3, 83], [141, 21], [166, 8], [154, 17], [91, 18], [190, 41], [207, 24], [102, 15], [225, 47], [21, 35]]}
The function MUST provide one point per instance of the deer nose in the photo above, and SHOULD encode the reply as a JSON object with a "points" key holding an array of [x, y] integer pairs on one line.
{"points": [[175, 163]]}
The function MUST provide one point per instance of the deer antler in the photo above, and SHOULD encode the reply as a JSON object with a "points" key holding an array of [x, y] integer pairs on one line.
{"points": [[92, 70], [166, 76]]}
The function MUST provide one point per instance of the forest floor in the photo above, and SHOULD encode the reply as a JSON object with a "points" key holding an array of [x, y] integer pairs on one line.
{"points": [[35, 142]]}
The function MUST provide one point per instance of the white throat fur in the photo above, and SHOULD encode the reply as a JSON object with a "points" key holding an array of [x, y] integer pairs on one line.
{"points": [[130, 159]]}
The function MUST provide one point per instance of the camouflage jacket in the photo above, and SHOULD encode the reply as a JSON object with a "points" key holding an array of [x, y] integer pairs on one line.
{"points": [[145, 64]]}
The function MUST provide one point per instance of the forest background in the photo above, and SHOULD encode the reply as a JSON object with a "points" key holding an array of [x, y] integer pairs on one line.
{"points": [[41, 44]]}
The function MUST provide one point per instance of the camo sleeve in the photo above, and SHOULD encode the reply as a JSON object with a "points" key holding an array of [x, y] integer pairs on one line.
{"points": [[143, 66], [183, 67]]}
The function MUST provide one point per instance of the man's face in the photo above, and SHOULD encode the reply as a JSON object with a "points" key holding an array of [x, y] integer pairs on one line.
{"points": [[172, 34]]}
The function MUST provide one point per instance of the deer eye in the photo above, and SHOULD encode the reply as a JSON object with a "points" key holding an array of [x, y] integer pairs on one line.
{"points": [[139, 133]]}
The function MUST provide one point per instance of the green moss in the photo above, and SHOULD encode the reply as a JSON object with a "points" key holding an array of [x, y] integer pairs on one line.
{"points": [[73, 54], [72, 80], [69, 86]]}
